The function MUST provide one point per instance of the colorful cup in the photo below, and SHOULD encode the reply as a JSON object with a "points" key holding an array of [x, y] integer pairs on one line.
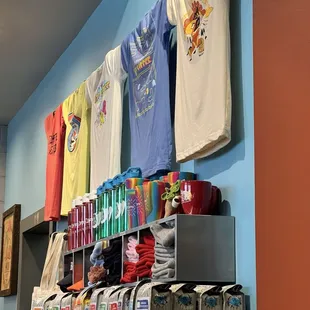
{"points": [[131, 183], [141, 212], [131, 207], [154, 205], [180, 175], [199, 197]]}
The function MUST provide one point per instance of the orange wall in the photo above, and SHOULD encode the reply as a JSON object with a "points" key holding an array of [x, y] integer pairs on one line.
{"points": [[282, 152]]}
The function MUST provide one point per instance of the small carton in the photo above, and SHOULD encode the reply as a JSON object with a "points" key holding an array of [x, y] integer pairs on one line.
{"points": [[43, 303], [94, 299], [153, 296], [183, 296], [56, 303], [105, 296], [233, 298], [209, 297], [113, 300], [68, 301], [133, 294], [123, 298], [82, 301]]}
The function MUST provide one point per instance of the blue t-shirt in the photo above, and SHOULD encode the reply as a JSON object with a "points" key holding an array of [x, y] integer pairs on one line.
{"points": [[145, 58]]}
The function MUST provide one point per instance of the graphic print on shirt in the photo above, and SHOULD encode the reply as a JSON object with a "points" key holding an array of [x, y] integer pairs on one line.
{"points": [[101, 103], [75, 123], [144, 81], [52, 144], [195, 27]]}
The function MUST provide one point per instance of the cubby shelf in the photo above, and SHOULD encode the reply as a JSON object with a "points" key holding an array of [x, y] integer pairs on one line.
{"points": [[204, 248]]}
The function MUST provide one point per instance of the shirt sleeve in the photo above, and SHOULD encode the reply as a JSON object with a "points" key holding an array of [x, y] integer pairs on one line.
{"points": [[114, 65], [172, 11], [160, 14], [91, 85], [62, 120], [125, 54]]}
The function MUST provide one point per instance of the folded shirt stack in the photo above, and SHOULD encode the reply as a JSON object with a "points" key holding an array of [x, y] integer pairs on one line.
{"points": [[113, 262], [146, 257], [132, 258], [164, 266]]}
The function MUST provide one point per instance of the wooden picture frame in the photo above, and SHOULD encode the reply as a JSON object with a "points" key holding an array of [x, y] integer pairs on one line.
{"points": [[9, 251]]}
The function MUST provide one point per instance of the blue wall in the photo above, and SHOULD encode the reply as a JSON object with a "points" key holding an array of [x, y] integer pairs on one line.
{"points": [[232, 169]]}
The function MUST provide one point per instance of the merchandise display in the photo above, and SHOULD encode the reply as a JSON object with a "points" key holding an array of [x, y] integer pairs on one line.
{"points": [[93, 120], [150, 295], [199, 197], [55, 129], [53, 272], [104, 90], [129, 201], [164, 266], [113, 262], [132, 234], [66, 282], [145, 59], [209, 296], [132, 259], [203, 88], [183, 296], [146, 260], [76, 159]]}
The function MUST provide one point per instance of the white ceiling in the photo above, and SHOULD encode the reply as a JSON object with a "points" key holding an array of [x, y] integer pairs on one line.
{"points": [[33, 34]]}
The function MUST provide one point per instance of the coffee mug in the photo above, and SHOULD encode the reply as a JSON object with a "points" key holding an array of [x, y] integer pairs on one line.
{"points": [[200, 197]]}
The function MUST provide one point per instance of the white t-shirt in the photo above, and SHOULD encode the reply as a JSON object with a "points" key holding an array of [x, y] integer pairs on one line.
{"points": [[105, 94], [203, 90]]}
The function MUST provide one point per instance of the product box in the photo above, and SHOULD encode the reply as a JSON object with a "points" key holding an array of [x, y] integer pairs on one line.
{"points": [[183, 296], [56, 303], [133, 294], [82, 301], [233, 298], [153, 296], [104, 298], [94, 300], [123, 298], [68, 301], [209, 297], [113, 300], [43, 303]]}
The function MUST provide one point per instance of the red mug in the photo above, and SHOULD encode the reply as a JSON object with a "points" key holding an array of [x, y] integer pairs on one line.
{"points": [[199, 197]]}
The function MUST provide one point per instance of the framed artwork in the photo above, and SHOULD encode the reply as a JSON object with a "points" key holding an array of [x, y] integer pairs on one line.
{"points": [[9, 251]]}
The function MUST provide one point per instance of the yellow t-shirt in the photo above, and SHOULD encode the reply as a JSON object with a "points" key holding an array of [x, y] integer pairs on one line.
{"points": [[76, 115]]}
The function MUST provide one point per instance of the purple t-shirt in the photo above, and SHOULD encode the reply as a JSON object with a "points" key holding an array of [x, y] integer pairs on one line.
{"points": [[145, 58]]}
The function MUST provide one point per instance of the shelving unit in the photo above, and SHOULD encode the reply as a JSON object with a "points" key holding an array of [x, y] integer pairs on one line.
{"points": [[204, 249], [34, 239]]}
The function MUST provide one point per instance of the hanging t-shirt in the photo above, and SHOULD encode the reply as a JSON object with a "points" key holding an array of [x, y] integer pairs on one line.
{"points": [[55, 130], [76, 161], [104, 89], [203, 91], [145, 58]]}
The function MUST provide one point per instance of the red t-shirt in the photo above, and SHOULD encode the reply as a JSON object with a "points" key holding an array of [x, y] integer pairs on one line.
{"points": [[55, 130]]}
